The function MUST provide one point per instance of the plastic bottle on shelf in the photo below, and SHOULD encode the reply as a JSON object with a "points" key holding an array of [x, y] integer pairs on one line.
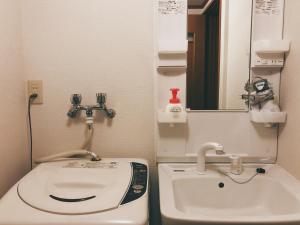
{"points": [[174, 105]]}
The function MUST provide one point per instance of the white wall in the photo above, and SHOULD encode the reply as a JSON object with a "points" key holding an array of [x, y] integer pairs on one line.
{"points": [[86, 47], [289, 142], [14, 161]]}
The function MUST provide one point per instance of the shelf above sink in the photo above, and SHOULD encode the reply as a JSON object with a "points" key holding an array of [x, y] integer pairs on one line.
{"points": [[268, 117]]}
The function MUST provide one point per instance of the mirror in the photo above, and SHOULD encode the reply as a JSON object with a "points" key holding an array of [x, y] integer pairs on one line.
{"points": [[219, 43]]}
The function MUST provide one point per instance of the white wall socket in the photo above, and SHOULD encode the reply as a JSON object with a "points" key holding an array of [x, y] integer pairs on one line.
{"points": [[36, 87]]}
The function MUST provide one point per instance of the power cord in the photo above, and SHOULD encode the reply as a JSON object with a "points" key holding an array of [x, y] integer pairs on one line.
{"points": [[258, 171], [30, 100]]}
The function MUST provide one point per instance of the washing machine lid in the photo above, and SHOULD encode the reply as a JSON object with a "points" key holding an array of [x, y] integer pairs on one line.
{"points": [[76, 187]]}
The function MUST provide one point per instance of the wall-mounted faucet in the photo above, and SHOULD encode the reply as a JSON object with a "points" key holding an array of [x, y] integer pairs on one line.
{"points": [[202, 151], [89, 109]]}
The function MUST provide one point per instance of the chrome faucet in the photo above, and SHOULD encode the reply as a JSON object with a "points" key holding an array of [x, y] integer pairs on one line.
{"points": [[89, 109], [202, 152]]}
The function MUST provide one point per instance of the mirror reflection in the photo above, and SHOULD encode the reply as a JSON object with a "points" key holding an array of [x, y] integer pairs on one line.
{"points": [[219, 37]]}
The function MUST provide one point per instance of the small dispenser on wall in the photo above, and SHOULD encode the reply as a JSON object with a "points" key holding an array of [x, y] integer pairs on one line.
{"points": [[174, 111]]}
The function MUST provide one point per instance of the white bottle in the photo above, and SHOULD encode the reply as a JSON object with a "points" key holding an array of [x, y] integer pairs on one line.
{"points": [[174, 105]]}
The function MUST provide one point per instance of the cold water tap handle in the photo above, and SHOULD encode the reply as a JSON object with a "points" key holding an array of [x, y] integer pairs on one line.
{"points": [[101, 98]]}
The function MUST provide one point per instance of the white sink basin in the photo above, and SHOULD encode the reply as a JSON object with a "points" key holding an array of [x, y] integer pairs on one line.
{"points": [[189, 198]]}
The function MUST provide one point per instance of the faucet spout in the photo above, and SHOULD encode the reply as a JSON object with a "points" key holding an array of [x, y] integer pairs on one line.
{"points": [[218, 148]]}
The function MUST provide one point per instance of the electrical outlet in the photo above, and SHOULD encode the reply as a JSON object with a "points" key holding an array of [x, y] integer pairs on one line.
{"points": [[36, 87]]}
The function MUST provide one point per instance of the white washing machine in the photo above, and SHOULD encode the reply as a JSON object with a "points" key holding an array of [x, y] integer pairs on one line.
{"points": [[80, 192]]}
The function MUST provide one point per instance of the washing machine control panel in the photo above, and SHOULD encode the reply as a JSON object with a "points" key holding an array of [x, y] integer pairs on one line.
{"points": [[138, 185]]}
